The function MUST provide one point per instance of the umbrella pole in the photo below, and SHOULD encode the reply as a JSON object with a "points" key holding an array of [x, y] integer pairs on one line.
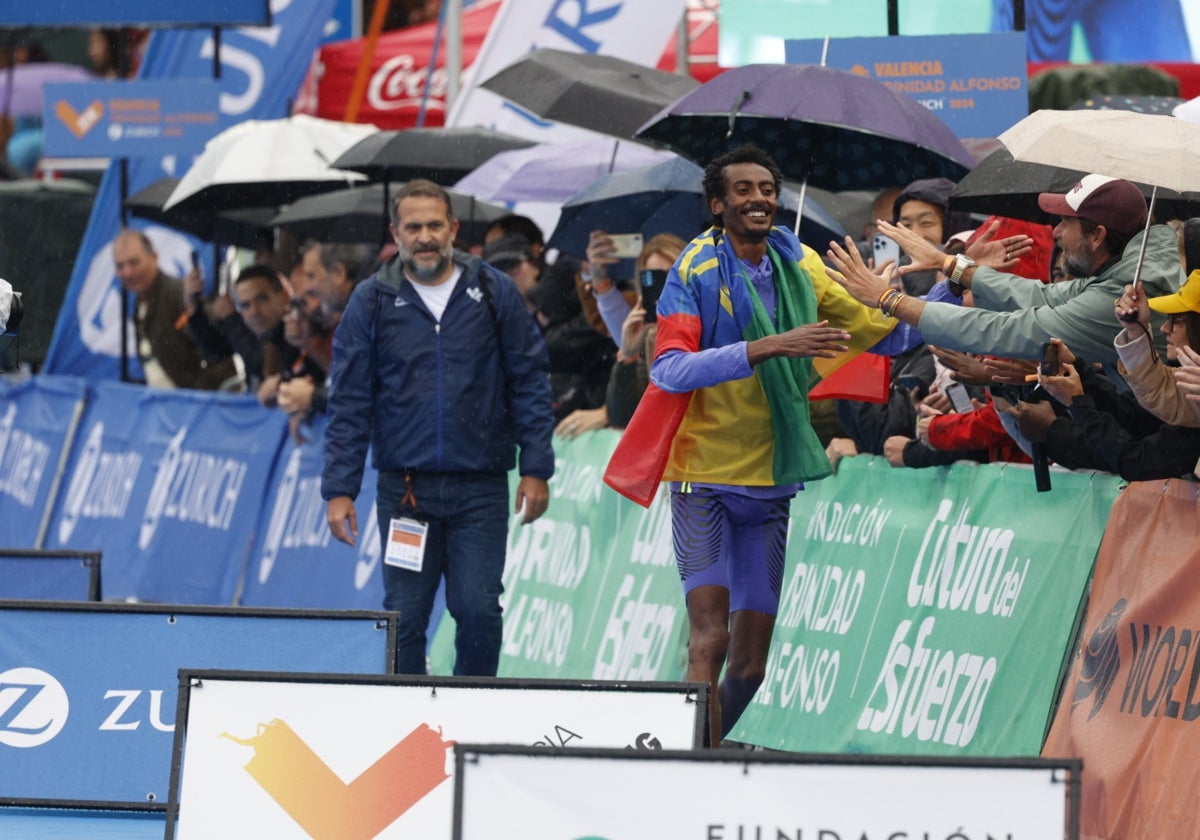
{"points": [[800, 207], [1137, 272]]}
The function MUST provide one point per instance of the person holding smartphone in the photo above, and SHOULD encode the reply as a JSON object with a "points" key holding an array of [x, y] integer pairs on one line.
{"points": [[745, 315]]}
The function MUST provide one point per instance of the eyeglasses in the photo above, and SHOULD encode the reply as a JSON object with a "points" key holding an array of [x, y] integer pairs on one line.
{"points": [[1175, 319]]}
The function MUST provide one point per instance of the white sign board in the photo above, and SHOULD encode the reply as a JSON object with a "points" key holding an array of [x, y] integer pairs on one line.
{"points": [[733, 795], [326, 756]]}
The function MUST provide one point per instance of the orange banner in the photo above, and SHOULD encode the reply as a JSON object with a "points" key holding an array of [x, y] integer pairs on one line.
{"points": [[1130, 704]]}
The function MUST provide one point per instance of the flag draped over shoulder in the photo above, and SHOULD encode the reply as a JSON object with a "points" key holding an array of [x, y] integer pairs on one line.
{"points": [[709, 302]]}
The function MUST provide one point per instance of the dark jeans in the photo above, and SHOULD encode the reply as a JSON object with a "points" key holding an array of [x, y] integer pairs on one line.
{"points": [[467, 515]]}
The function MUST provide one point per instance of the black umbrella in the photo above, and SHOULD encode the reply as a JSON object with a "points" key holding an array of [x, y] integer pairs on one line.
{"points": [[360, 214], [598, 92], [443, 155], [1001, 186], [828, 128], [245, 228]]}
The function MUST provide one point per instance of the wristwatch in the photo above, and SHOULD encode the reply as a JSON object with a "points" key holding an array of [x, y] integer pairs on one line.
{"points": [[961, 263]]}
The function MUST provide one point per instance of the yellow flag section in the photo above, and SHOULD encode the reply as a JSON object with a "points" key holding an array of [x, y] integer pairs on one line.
{"points": [[1131, 705]]}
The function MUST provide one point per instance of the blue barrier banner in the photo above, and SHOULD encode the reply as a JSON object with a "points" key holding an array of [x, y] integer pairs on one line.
{"points": [[975, 83], [80, 13], [89, 693], [261, 70], [93, 823], [49, 578], [295, 561], [35, 426], [129, 118], [167, 485]]}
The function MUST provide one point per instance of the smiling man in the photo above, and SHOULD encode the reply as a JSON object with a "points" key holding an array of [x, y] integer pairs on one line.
{"points": [[440, 370], [746, 313]]}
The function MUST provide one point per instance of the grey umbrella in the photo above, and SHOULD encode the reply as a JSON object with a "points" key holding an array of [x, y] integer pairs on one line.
{"points": [[597, 92], [443, 155], [359, 214], [246, 228]]}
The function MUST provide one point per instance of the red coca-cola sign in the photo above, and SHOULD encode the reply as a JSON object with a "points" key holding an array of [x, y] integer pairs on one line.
{"points": [[400, 68]]}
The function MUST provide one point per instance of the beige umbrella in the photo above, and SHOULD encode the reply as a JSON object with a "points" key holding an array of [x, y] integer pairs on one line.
{"points": [[1153, 149]]}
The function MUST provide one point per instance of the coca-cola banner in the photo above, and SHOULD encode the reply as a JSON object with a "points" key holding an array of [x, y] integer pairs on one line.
{"points": [[401, 73]]}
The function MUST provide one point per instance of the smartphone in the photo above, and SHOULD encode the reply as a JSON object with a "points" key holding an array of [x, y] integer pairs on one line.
{"points": [[627, 246], [959, 398], [1051, 365], [652, 283], [884, 248]]}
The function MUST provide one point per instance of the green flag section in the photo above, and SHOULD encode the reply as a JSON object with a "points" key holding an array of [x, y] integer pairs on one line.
{"points": [[591, 590], [927, 612]]}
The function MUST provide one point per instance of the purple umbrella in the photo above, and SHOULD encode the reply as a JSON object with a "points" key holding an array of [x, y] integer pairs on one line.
{"points": [[554, 172], [829, 128], [21, 85]]}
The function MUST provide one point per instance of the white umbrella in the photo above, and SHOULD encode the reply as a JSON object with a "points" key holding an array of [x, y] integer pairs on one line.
{"points": [[260, 163], [1153, 149]]}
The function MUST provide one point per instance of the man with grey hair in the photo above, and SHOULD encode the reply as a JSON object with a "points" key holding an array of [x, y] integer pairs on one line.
{"points": [[332, 271], [440, 371]]}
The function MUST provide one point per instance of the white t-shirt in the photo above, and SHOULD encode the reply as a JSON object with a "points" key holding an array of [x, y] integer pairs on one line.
{"points": [[436, 297]]}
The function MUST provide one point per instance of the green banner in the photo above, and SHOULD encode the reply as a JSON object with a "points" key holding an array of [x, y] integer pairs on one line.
{"points": [[927, 612], [591, 590]]}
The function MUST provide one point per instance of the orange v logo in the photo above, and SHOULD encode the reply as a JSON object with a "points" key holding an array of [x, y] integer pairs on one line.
{"points": [[330, 809], [79, 124]]}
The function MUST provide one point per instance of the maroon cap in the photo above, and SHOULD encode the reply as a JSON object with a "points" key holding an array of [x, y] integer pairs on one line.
{"points": [[1116, 204]]}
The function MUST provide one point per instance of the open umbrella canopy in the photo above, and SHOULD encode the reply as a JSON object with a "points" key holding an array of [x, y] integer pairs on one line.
{"points": [[22, 85], [261, 163], [1001, 186], [598, 92], [1152, 149], [832, 128], [360, 214], [245, 228], [443, 155], [666, 197], [553, 172]]}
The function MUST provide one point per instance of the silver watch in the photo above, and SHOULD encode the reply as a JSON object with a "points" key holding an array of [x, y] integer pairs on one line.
{"points": [[961, 263]]}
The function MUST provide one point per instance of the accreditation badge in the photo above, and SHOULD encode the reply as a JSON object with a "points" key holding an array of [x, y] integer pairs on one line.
{"points": [[406, 543]]}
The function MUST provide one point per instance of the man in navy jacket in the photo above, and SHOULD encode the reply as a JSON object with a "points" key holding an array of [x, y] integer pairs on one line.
{"points": [[439, 368]]}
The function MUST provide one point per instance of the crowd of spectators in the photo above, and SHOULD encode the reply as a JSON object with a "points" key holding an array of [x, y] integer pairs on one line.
{"points": [[1114, 406]]}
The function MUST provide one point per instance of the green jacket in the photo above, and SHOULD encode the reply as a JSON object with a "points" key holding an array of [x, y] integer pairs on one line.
{"points": [[1013, 315]]}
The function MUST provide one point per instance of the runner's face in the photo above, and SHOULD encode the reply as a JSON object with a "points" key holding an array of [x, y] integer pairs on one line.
{"points": [[750, 203]]}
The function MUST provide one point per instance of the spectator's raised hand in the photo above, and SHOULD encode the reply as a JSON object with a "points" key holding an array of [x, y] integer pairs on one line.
{"points": [[1003, 253], [599, 249], [1187, 378], [1010, 371], [966, 368], [581, 420], [863, 284]]}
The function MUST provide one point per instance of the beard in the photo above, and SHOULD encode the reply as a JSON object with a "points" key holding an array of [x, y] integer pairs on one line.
{"points": [[1080, 264], [424, 273]]}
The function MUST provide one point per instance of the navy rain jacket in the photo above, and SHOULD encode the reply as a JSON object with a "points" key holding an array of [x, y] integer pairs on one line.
{"points": [[459, 396]]}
